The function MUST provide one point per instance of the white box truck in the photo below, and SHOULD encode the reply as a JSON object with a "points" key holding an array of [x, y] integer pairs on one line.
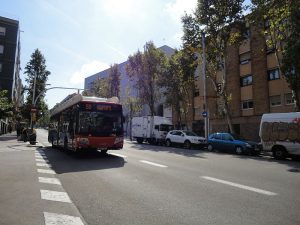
{"points": [[280, 134], [152, 129]]}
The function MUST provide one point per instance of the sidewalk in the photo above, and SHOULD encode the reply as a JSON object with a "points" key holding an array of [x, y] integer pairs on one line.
{"points": [[20, 197]]}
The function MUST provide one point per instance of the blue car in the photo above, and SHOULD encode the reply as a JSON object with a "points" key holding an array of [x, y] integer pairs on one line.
{"points": [[231, 143]]}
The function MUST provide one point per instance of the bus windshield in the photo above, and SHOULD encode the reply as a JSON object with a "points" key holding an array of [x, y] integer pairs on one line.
{"points": [[100, 123]]}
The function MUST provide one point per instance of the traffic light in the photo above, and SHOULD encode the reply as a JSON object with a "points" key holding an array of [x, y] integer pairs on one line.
{"points": [[219, 88]]}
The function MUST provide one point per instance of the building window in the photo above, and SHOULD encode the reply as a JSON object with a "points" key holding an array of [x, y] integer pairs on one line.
{"points": [[275, 100], [246, 80], [1, 49], [247, 104], [196, 93], [2, 31], [245, 58], [197, 111], [273, 74], [288, 99]]}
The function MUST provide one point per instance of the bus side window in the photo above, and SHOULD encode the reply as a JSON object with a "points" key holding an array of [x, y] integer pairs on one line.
{"points": [[156, 127]]}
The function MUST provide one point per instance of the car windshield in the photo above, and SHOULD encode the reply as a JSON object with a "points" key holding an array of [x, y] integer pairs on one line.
{"points": [[190, 133], [166, 127]]}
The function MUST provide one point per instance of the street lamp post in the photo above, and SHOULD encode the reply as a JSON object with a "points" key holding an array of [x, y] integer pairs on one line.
{"points": [[33, 101], [205, 105], [78, 89]]}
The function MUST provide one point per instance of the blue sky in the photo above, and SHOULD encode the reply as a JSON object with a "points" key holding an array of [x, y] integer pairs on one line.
{"points": [[82, 37]]}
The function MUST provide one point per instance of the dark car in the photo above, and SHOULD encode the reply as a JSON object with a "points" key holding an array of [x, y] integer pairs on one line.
{"points": [[232, 143]]}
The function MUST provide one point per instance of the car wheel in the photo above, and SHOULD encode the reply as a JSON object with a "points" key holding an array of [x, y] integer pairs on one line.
{"points": [[279, 152], [66, 144], [238, 150], [139, 140], [168, 143], [103, 152], [187, 144], [210, 147]]}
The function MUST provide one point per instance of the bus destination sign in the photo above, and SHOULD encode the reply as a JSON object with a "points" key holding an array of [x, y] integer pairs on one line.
{"points": [[100, 107]]}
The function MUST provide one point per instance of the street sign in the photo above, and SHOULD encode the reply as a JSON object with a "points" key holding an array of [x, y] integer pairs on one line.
{"points": [[33, 110], [204, 114]]}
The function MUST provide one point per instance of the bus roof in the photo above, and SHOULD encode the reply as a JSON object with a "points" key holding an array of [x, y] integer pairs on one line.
{"points": [[73, 99]]}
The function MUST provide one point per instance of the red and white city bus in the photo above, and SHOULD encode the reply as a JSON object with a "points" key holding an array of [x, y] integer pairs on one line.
{"points": [[81, 122]]}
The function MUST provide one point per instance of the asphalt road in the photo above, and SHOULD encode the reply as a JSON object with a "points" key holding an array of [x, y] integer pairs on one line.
{"points": [[144, 184]]}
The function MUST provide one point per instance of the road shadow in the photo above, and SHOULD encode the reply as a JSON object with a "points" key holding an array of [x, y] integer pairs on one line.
{"points": [[193, 152], [292, 162], [8, 137], [68, 162]]}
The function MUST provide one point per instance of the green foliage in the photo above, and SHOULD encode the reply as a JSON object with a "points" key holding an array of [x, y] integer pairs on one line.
{"points": [[291, 55], [101, 87], [144, 70], [36, 67], [114, 75], [223, 23], [6, 107], [179, 92], [107, 87], [281, 30]]}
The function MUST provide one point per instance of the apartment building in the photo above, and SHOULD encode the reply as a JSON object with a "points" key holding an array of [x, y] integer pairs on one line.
{"points": [[10, 59], [255, 86]]}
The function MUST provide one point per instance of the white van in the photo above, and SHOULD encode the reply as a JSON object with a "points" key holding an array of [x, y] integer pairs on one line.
{"points": [[280, 133]]}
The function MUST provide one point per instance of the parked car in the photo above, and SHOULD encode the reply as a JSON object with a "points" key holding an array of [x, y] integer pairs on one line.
{"points": [[232, 143], [185, 138]]}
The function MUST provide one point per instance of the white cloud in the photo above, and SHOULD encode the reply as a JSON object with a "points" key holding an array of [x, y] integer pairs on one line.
{"points": [[176, 9], [87, 70]]}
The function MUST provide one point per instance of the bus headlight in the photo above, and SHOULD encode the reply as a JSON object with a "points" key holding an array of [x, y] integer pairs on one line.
{"points": [[83, 141]]}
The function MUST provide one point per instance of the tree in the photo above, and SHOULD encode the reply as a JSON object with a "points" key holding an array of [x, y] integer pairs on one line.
{"points": [[101, 87], [281, 31], [107, 87], [6, 107], [114, 75], [179, 93], [36, 70], [134, 105], [144, 70], [291, 55], [222, 22]]}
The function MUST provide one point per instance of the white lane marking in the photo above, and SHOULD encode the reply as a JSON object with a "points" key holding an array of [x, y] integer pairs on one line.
{"points": [[40, 157], [42, 160], [119, 155], [39, 153], [49, 180], [153, 164], [55, 196], [60, 219], [46, 171], [43, 164], [257, 190], [40, 150]]}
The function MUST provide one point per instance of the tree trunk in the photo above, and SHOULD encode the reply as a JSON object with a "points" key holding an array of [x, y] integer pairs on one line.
{"points": [[297, 100]]}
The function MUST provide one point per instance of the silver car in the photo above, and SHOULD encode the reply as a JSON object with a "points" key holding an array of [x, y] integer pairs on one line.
{"points": [[185, 138]]}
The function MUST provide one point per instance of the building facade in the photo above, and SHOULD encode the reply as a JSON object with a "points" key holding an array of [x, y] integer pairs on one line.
{"points": [[10, 59], [125, 84], [254, 84]]}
